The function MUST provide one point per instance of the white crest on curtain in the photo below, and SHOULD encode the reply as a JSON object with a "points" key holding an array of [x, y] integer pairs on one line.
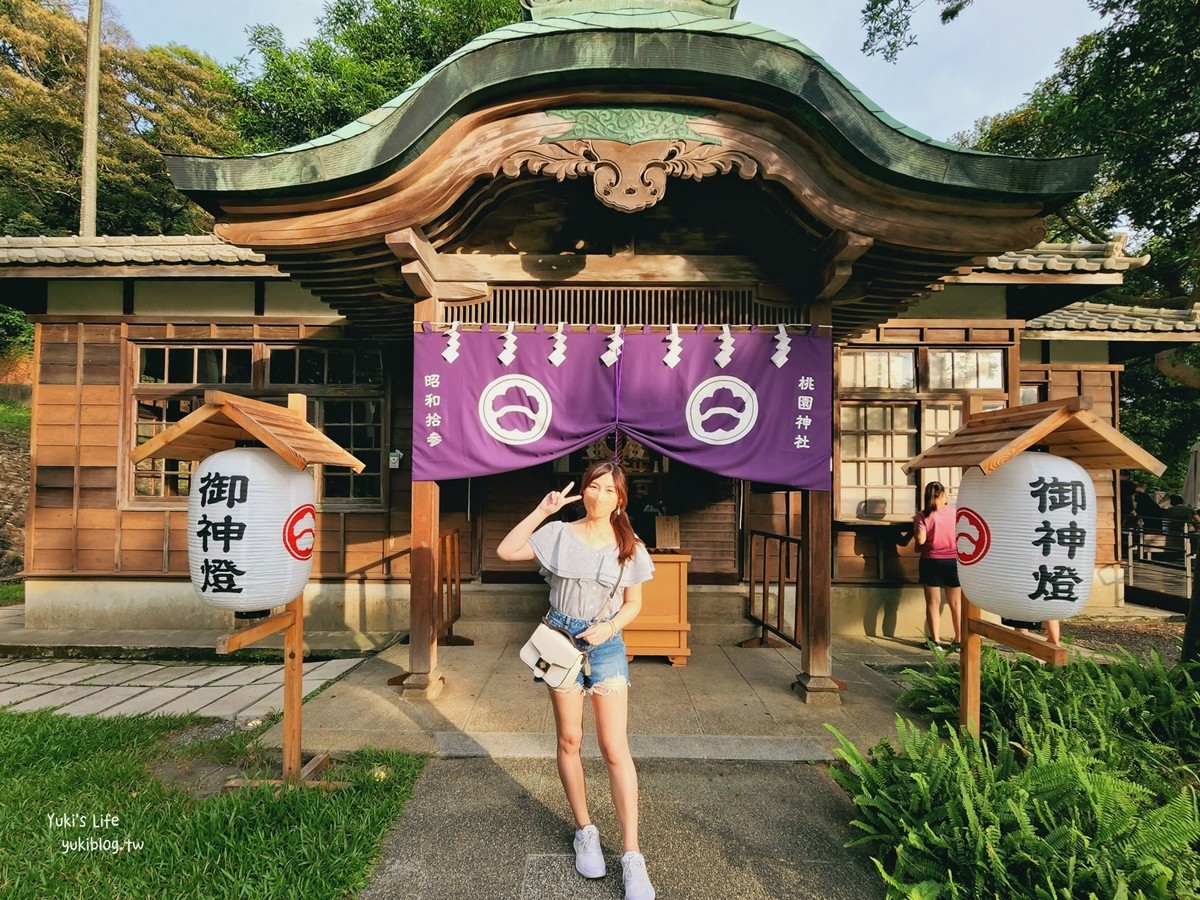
{"points": [[783, 344], [559, 354], [453, 339], [610, 356], [509, 353], [726, 352], [674, 348]]}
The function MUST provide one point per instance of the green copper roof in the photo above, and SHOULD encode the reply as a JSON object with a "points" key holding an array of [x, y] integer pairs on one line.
{"points": [[670, 51]]}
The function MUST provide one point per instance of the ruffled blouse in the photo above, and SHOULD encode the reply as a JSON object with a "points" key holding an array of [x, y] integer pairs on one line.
{"points": [[581, 577]]}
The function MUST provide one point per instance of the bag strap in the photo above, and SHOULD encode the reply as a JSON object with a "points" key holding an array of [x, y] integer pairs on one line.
{"points": [[599, 615]]}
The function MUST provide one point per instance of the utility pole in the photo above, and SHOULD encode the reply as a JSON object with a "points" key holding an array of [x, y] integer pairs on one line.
{"points": [[91, 124]]}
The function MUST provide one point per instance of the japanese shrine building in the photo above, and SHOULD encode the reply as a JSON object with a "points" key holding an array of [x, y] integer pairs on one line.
{"points": [[651, 166]]}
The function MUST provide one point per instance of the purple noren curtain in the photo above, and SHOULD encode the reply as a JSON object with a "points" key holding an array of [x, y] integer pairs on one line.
{"points": [[753, 405]]}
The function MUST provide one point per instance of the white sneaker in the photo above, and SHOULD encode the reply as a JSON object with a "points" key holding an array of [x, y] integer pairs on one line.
{"points": [[589, 858], [637, 882]]}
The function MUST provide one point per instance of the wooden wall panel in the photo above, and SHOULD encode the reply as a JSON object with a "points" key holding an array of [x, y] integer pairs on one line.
{"points": [[1100, 383]]}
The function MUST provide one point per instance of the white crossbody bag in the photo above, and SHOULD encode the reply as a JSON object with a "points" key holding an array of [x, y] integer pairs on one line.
{"points": [[554, 655]]}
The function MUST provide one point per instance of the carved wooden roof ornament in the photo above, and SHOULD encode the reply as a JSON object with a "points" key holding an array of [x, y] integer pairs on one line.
{"points": [[629, 152]]}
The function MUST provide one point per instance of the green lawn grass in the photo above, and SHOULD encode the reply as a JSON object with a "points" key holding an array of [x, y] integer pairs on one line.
{"points": [[82, 816], [14, 415], [12, 593]]}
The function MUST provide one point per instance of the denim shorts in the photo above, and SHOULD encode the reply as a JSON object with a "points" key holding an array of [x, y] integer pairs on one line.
{"points": [[607, 660]]}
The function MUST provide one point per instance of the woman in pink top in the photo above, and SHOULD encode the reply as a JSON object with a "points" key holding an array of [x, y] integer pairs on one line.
{"points": [[937, 539]]}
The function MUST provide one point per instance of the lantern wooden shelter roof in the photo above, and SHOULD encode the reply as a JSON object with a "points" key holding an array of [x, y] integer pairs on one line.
{"points": [[1067, 428], [225, 419]]}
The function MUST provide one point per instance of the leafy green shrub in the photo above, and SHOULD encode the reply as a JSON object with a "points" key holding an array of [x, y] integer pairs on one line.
{"points": [[1080, 785]]}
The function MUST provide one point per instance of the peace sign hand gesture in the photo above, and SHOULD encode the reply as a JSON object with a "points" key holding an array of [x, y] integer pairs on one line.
{"points": [[556, 500]]}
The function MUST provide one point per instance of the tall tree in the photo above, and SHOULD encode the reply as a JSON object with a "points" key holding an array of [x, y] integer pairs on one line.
{"points": [[365, 53], [161, 100], [1129, 92]]}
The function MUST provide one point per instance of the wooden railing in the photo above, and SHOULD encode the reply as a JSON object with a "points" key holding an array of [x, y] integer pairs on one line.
{"points": [[1156, 557], [449, 589], [778, 599]]}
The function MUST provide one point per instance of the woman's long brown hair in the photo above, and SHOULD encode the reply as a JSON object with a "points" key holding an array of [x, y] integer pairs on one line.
{"points": [[933, 490], [622, 527]]}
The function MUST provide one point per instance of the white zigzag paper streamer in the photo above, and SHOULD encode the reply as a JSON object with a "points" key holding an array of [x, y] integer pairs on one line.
{"points": [[782, 345], [726, 352], [559, 354], [509, 353], [674, 348], [453, 339], [609, 356]]}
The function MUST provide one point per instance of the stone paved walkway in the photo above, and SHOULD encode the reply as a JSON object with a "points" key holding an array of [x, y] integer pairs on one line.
{"points": [[96, 687]]}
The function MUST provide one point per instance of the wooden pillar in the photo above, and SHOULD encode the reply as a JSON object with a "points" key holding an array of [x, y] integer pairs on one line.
{"points": [[423, 578], [815, 682]]}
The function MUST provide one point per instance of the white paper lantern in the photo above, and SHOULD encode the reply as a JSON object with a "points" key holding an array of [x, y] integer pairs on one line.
{"points": [[1027, 537], [251, 529]]}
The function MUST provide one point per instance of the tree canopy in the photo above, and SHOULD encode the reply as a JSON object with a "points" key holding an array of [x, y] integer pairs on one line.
{"points": [[153, 101], [1130, 93], [365, 53]]}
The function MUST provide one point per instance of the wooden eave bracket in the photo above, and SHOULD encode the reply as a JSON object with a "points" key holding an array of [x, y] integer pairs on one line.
{"points": [[1067, 427], [225, 419], [836, 257]]}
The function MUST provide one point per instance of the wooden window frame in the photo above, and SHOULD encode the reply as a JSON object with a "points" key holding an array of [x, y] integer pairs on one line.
{"points": [[921, 397], [321, 396]]}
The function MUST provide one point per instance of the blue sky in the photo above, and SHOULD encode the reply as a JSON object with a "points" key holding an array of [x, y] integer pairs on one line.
{"points": [[983, 64]]}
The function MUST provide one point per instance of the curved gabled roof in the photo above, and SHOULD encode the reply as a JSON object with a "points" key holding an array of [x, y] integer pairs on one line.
{"points": [[665, 51]]}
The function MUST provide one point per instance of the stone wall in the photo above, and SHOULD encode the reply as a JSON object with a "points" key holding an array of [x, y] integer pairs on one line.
{"points": [[14, 498]]}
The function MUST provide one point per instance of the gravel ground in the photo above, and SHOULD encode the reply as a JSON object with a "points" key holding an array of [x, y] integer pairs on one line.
{"points": [[1138, 636]]}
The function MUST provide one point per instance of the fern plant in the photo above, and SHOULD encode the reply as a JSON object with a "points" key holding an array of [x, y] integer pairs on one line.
{"points": [[1036, 814]]}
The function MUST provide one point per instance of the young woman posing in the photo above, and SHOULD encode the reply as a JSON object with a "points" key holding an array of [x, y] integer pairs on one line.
{"points": [[595, 568], [937, 539]]}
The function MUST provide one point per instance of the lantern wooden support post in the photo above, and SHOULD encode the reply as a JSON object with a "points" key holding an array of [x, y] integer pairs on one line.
{"points": [[291, 623], [1066, 428], [973, 629], [223, 421]]}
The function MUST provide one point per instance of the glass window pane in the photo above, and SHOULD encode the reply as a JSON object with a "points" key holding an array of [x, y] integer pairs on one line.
{"points": [[852, 370], [902, 418], [338, 412], [369, 367], [208, 366], [179, 365], [902, 371], [366, 437], [238, 366], [876, 369], [941, 371], [337, 485], [312, 367], [966, 369], [1030, 395], [151, 365], [283, 367], [366, 487], [991, 369], [341, 367]]}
